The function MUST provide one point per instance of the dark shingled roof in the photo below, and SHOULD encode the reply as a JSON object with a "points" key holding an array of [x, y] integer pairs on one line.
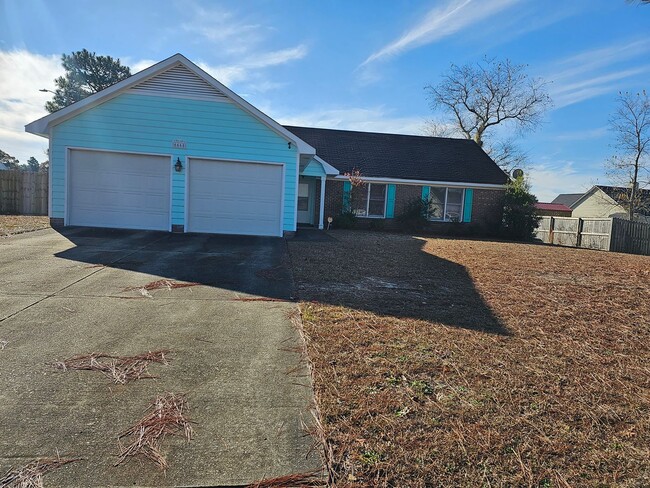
{"points": [[621, 195], [403, 156], [567, 199]]}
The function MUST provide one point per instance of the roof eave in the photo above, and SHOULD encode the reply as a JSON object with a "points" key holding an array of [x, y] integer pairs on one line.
{"points": [[41, 126]]}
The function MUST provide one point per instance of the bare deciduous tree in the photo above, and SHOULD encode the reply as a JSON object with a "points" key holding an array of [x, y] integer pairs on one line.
{"points": [[630, 167], [483, 95]]}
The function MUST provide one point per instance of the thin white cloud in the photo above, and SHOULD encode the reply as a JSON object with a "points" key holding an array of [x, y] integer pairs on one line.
{"points": [[230, 33], [249, 68], [581, 135], [21, 102], [597, 71], [373, 119], [441, 22], [548, 180]]}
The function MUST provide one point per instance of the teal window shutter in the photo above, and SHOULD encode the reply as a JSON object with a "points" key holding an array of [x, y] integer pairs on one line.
{"points": [[467, 211], [390, 201], [425, 192], [347, 190]]}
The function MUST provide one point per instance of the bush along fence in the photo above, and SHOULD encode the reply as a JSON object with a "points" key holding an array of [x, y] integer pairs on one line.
{"points": [[606, 234], [23, 192]]}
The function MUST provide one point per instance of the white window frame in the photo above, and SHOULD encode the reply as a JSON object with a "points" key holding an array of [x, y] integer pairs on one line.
{"points": [[367, 216], [444, 209]]}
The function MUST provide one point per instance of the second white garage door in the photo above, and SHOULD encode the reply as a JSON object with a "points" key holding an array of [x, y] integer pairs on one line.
{"points": [[234, 198]]}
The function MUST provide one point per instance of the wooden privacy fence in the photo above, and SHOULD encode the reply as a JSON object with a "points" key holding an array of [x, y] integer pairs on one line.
{"points": [[23, 192], [606, 234]]}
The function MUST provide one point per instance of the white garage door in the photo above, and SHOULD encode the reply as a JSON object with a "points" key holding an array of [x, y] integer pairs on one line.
{"points": [[234, 198], [128, 191]]}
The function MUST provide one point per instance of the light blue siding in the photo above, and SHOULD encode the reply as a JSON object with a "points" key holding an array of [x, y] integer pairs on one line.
{"points": [[467, 210], [149, 124], [390, 202], [314, 168]]}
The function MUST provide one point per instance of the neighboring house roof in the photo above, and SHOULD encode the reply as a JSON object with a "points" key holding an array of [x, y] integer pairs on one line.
{"points": [[408, 157], [42, 125], [554, 207], [567, 199], [617, 196], [3, 166]]}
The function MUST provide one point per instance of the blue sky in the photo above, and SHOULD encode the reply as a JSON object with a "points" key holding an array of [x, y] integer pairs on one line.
{"points": [[356, 65]]}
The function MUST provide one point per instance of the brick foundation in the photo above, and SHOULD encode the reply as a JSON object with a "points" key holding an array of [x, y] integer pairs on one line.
{"points": [[56, 223]]}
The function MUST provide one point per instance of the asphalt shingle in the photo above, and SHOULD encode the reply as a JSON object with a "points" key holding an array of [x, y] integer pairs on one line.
{"points": [[403, 156]]}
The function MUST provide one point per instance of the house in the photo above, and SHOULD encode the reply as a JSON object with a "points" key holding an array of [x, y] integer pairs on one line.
{"points": [[3, 167], [553, 209], [609, 201], [171, 148]]}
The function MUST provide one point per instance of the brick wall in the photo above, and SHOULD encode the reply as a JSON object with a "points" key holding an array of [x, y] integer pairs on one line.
{"points": [[487, 210], [333, 198]]}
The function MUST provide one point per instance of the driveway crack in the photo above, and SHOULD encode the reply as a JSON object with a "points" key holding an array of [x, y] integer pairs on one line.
{"points": [[80, 280]]}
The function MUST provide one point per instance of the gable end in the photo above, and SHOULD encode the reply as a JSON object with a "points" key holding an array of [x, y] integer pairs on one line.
{"points": [[179, 82]]}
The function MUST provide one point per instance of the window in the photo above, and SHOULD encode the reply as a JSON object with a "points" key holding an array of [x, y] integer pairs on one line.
{"points": [[446, 204], [369, 200]]}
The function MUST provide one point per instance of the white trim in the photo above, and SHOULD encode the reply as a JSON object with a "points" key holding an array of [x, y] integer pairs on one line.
{"points": [[186, 196], [444, 207], [171, 191], [119, 151], [66, 186], [244, 161], [66, 183], [49, 176], [452, 184], [367, 216], [42, 125], [321, 211], [295, 203]]}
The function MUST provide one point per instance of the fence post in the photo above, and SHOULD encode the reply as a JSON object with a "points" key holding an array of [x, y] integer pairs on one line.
{"points": [[551, 225], [579, 236]]}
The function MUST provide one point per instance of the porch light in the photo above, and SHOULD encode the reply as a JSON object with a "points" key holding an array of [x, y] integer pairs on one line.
{"points": [[178, 166]]}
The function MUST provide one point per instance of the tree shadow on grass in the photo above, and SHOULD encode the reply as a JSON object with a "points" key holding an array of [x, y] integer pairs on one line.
{"points": [[391, 275], [385, 274]]}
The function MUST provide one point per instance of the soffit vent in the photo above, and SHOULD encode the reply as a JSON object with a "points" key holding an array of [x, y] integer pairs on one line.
{"points": [[179, 82]]}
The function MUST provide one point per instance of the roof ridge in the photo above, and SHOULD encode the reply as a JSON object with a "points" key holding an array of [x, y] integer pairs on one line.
{"points": [[289, 127]]}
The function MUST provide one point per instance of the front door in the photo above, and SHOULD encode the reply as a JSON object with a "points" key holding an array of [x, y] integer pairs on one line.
{"points": [[305, 201]]}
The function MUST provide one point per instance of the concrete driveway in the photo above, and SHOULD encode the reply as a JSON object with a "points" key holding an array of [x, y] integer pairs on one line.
{"points": [[233, 354]]}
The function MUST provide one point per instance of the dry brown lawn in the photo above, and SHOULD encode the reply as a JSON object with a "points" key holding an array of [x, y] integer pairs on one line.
{"points": [[443, 362], [17, 224]]}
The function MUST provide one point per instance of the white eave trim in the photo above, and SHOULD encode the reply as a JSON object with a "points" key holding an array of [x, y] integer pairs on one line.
{"points": [[41, 126], [328, 168], [452, 184]]}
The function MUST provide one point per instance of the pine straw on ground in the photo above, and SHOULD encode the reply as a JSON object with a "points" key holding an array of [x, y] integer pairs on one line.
{"points": [[442, 362], [17, 224], [120, 369], [313, 479], [166, 416], [31, 475]]}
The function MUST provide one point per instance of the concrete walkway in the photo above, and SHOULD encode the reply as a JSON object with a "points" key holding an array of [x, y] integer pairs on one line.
{"points": [[234, 355]]}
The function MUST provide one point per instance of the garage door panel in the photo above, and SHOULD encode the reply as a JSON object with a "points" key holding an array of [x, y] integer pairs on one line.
{"points": [[119, 190], [234, 198]]}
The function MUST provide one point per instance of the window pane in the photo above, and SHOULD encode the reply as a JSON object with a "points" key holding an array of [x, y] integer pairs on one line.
{"points": [[454, 204], [436, 203], [377, 200], [303, 204], [359, 200]]}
